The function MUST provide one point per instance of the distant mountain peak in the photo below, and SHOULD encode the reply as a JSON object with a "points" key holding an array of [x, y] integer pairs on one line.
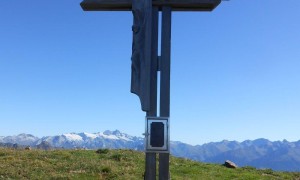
{"points": [[115, 132], [72, 137]]}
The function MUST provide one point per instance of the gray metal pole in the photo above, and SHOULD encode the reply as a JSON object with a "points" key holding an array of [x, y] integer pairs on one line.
{"points": [[150, 168], [165, 83]]}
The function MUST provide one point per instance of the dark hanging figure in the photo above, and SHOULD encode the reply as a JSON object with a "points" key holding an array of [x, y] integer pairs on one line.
{"points": [[140, 67]]}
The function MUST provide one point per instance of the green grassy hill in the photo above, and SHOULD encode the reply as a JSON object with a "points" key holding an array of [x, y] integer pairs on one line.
{"points": [[113, 164]]}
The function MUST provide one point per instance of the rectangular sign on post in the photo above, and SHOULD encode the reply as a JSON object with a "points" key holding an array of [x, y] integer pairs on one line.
{"points": [[157, 135]]}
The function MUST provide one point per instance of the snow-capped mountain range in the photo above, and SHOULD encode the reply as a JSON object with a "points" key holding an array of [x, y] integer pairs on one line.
{"points": [[107, 139], [260, 153]]}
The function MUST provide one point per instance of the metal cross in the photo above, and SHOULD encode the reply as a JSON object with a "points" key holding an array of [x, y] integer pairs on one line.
{"points": [[145, 59]]}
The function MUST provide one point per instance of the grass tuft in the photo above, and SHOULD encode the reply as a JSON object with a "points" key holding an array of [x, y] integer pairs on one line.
{"points": [[116, 157], [102, 151], [106, 170]]}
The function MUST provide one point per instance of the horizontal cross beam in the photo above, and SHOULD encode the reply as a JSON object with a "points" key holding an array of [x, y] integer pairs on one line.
{"points": [[126, 5]]}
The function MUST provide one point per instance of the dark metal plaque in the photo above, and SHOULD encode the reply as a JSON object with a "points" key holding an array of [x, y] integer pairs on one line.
{"points": [[157, 134]]}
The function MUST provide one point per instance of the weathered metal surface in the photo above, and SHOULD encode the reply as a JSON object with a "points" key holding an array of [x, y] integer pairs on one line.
{"points": [[126, 5], [141, 51]]}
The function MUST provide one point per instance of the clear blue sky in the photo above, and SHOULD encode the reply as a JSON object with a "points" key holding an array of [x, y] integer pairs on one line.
{"points": [[235, 71]]}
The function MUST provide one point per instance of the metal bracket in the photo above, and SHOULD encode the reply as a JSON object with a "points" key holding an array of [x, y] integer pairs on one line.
{"points": [[146, 134]]}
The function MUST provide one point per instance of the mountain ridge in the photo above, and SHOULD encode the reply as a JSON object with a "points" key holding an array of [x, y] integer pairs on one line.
{"points": [[260, 153]]}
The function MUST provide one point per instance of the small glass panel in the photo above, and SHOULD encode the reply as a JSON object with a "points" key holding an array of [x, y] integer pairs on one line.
{"points": [[157, 134]]}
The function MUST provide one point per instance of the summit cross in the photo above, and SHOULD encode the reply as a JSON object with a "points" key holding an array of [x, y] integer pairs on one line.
{"points": [[146, 63]]}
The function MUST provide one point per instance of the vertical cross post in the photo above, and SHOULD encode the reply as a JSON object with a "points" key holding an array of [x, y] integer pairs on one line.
{"points": [[150, 160], [165, 83], [164, 101]]}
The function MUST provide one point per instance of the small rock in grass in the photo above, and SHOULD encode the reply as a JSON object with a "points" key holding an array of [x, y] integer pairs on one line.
{"points": [[230, 164]]}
